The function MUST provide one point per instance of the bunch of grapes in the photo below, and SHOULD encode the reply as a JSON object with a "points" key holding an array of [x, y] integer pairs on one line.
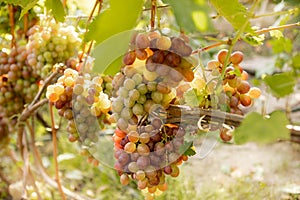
{"points": [[80, 100], [146, 149], [50, 43], [235, 85], [18, 85], [148, 153]]}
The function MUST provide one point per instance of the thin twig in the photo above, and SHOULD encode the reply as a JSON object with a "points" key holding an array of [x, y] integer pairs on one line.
{"points": [[45, 84], [266, 30], [54, 139], [261, 31]]}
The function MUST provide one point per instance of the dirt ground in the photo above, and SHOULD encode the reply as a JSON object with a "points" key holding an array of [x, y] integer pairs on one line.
{"points": [[276, 165]]}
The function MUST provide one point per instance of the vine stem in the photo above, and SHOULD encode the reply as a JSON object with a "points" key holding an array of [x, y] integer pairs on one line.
{"points": [[54, 140], [12, 24], [290, 11], [86, 27], [153, 11], [261, 31], [41, 169]]}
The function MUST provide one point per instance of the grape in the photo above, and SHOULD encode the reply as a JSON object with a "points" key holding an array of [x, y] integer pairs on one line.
{"points": [[143, 149], [172, 59], [245, 100], [140, 175], [133, 167], [129, 84], [243, 87], [157, 96], [236, 57], [124, 179], [138, 109], [163, 88], [254, 92], [163, 43], [129, 58], [142, 41], [225, 134], [213, 64], [133, 136], [138, 78], [130, 147], [158, 57], [222, 54], [144, 137]]}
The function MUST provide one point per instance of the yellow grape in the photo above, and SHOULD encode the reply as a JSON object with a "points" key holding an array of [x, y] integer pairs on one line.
{"points": [[59, 89], [163, 43], [254, 92], [130, 147], [69, 81], [213, 64]]}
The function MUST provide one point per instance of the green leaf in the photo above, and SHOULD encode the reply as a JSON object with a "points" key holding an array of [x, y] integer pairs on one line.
{"points": [[27, 8], [22, 3], [296, 61], [276, 34], [281, 45], [191, 98], [254, 40], [109, 53], [187, 149], [191, 15], [281, 84], [256, 128], [234, 12], [57, 9], [121, 16]]}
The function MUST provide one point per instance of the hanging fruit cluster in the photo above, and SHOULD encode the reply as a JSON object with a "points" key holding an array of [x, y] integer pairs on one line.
{"points": [[146, 148]]}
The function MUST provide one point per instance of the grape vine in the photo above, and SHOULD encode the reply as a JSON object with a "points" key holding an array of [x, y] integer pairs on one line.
{"points": [[47, 57]]}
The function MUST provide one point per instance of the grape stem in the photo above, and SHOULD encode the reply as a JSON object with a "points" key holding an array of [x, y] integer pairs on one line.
{"points": [[153, 10], [86, 28], [12, 24], [54, 140]]}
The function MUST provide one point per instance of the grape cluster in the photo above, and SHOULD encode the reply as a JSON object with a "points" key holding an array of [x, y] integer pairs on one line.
{"points": [[18, 85], [146, 149], [221, 86], [50, 43], [235, 85], [148, 153], [80, 100]]}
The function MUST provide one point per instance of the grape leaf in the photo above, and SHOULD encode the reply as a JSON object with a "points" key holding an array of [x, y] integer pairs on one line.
{"points": [[280, 84], [187, 149], [109, 53], [57, 9], [27, 7], [256, 128], [234, 12], [191, 99], [121, 16], [191, 15], [296, 61], [281, 45]]}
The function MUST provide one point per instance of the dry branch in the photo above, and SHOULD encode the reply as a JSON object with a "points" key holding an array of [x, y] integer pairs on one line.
{"points": [[190, 116]]}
